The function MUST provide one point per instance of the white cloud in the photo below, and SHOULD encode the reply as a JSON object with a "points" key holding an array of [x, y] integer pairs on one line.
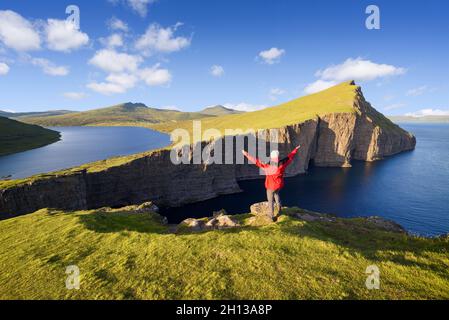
{"points": [[217, 71], [359, 70], [114, 40], [18, 33], [75, 95], [140, 6], [243, 106], [62, 35], [106, 88], [115, 83], [417, 91], [272, 55], [155, 76], [125, 80], [120, 82], [171, 108], [118, 25], [352, 69], [318, 85], [159, 39], [4, 69], [111, 61], [50, 68], [428, 112]]}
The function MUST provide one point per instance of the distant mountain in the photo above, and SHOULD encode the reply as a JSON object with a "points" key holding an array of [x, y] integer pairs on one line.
{"points": [[423, 119], [18, 115], [16, 136], [121, 113], [219, 110]]}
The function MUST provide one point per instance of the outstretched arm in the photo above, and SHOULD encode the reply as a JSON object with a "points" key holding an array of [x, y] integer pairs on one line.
{"points": [[291, 156], [254, 160]]}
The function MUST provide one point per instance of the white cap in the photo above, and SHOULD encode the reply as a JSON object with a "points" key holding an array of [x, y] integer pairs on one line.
{"points": [[274, 154]]}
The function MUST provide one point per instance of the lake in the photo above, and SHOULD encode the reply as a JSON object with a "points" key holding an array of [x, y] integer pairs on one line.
{"points": [[410, 188], [80, 145]]}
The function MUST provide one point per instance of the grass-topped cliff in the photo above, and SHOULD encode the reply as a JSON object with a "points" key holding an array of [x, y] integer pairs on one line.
{"points": [[344, 98], [16, 136], [123, 254], [338, 99]]}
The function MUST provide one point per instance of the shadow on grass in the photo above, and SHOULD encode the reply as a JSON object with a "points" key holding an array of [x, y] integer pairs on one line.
{"points": [[359, 237], [104, 221]]}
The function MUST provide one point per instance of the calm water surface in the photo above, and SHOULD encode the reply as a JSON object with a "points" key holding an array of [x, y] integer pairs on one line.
{"points": [[80, 145], [411, 188]]}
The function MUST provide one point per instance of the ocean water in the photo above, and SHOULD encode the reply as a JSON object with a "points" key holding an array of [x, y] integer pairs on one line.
{"points": [[80, 145], [411, 188]]}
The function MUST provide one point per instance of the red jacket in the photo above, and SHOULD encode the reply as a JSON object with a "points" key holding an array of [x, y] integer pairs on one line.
{"points": [[274, 174]]}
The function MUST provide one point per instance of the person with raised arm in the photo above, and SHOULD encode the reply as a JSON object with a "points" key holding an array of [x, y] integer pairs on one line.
{"points": [[274, 172]]}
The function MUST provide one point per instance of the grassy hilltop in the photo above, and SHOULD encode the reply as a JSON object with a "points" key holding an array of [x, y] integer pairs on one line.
{"points": [[135, 113], [127, 255], [16, 136], [338, 99]]}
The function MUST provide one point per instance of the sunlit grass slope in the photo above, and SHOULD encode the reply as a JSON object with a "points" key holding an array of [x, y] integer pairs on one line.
{"points": [[128, 112], [16, 136], [338, 99], [124, 255]]}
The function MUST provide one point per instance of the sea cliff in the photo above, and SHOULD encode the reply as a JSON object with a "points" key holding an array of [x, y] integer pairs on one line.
{"points": [[331, 139]]}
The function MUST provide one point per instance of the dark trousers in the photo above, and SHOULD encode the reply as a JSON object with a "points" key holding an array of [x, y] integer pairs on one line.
{"points": [[273, 195]]}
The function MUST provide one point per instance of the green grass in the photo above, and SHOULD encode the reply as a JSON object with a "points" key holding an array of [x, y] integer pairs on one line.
{"points": [[123, 255], [338, 99], [127, 112], [16, 136], [219, 111]]}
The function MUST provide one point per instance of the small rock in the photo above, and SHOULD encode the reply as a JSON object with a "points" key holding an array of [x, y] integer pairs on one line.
{"points": [[193, 224], [148, 207], [263, 209], [222, 212], [222, 222]]}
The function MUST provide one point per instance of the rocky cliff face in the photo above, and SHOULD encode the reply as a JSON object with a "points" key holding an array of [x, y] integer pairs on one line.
{"points": [[329, 140]]}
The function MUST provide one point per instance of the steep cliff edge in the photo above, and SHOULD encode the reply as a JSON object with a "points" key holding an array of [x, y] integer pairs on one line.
{"points": [[355, 131]]}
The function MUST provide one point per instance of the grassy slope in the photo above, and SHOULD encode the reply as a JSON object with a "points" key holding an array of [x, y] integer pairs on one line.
{"points": [[338, 99], [128, 112], [16, 136], [130, 256], [219, 111]]}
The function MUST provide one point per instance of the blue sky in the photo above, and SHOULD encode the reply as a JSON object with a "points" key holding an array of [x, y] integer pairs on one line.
{"points": [[188, 54]]}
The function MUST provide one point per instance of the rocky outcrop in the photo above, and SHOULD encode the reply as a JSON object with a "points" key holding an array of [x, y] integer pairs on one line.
{"points": [[219, 221], [329, 140], [260, 216]]}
